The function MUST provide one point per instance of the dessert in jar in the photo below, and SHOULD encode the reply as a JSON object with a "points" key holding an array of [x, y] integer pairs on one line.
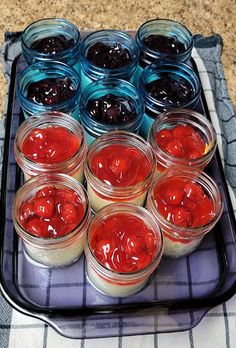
{"points": [[186, 204], [110, 104], [50, 86], [51, 213], [108, 53], [51, 142], [119, 168], [165, 85], [123, 247], [51, 39], [162, 39], [182, 137]]}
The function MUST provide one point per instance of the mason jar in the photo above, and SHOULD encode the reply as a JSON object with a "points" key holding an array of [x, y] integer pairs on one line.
{"points": [[105, 117], [160, 39], [123, 247], [182, 137], [187, 204], [51, 142], [119, 168], [123, 66], [50, 86], [165, 85], [51, 39], [51, 213]]}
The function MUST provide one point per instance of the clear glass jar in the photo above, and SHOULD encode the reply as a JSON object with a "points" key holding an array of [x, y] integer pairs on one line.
{"points": [[183, 117], [111, 282], [73, 166], [102, 193], [179, 239], [91, 72], [60, 250], [181, 75], [164, 28], [48, 28], [42, 71], [100, 88]]}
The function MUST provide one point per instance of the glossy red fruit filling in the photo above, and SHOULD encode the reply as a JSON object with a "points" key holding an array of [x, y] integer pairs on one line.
{"points": [[181, 141], [52, 44], [170, 90], [108, 56], [51, 91], [184, 202], [53, 144], [120, 165], [52, 212], [112, 109], [164, 44], [123, 243]]}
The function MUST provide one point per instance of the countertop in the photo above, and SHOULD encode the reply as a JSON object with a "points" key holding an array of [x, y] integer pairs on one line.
{"points": [[201, 17]]}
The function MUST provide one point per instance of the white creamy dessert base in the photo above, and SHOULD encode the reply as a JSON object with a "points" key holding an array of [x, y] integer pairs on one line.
{"points": [[110, 289], [97, 202], [57, 256], [177, 249]]}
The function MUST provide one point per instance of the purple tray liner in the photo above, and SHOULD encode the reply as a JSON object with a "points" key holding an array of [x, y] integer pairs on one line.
{"points": [[68, 297]]}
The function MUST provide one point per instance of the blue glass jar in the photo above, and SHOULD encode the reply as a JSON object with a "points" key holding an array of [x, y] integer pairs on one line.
{"points": [[51, 28], [175, 42], [182, 90], [107, 86], [42, 71], [91, 72]]}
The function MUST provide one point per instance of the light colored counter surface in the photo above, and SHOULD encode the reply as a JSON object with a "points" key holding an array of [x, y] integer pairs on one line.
{"points": [[201, 17]]}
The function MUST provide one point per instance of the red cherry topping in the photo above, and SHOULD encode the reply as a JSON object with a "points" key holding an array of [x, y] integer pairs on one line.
{"points": [[123, 243], [51, 212]]}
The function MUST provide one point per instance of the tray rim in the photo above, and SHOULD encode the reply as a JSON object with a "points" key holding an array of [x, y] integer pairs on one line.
{"points": [[204, 303]]}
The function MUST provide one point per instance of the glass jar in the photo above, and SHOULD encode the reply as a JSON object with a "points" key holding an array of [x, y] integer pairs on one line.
{"points": [[45, 71], [179, 87], [109, 86], [60, 249], [191, 212], [91, 72], [101, 191], [162, 39], [51, 28], [122, 280], [73, 165], [178, 131]]}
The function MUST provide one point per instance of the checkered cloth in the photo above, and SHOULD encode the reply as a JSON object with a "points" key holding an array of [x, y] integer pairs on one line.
{"points": [[217, 329]]}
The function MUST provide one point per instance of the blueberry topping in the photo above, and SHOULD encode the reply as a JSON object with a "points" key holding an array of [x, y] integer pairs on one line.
{"points": [[111, 109], [168, 90], [164, 44], [51, 91], [109, 57], [52, 44]]}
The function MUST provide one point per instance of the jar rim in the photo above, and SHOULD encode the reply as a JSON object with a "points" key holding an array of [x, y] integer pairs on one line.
{"points": [[184, 171], [134, 210], [107, 189]]}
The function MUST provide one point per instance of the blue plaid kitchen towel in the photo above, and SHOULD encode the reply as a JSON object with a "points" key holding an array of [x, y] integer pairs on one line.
{"points": [[218, 327]]}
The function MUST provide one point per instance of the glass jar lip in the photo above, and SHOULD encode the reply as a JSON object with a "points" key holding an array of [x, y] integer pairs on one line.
{"points": [[106, 188], [162, 118], [127, 208], [47, 119], [56, 20], [103, 71], [181, 171], [168, 63], [48, 66], [162, 21], [117, 85], [64, 178]]}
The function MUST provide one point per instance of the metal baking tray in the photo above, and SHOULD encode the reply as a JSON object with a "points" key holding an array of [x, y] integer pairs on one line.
{"points": [[176, 298]]}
